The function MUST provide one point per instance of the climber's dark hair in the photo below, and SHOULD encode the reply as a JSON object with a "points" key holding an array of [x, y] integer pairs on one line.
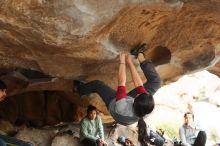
{"points": [[143, 104], [90, 108], [3, 86], [142, 132]]}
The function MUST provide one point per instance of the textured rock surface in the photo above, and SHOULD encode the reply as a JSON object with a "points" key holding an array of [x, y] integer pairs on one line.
{"points": [[44, 45], [50, 138], [36, 136], [79, 38]]}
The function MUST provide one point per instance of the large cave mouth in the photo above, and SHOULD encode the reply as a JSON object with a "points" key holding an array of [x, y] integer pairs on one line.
{"points": [[37, 99], [37, 109]]}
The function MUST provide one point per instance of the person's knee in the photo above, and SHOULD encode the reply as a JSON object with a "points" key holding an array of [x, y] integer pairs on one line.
{"points": [[202, 134], [2, 142]]}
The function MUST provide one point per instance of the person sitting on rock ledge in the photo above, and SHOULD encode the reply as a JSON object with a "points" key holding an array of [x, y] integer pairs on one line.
{"points": [[91, 129], [3, 89], [4, 139], [190, 133]]}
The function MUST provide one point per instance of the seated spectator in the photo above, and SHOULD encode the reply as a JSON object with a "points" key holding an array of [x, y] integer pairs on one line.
{"points": [[3, 88], [91, 129], [190, 133], [4, 139]]}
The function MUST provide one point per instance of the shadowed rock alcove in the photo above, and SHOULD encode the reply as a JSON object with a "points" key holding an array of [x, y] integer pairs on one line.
{"points": [[160, 55]]}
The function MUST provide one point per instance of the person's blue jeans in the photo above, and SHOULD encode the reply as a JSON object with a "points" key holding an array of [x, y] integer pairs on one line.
{"points": [[7, 140], [2, 143]]}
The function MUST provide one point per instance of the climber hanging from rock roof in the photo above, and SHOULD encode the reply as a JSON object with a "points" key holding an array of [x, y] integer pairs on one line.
{"points": [[131, 107]]}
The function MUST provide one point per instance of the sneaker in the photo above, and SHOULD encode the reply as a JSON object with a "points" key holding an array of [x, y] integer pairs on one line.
{"points": [[138, 49], [121, 140]]}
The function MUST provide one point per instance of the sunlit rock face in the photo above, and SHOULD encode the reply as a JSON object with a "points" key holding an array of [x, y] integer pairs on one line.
{"points": [[44, 45]]}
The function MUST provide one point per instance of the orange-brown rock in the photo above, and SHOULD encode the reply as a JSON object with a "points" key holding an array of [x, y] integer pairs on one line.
{"points": [[44, 45]]}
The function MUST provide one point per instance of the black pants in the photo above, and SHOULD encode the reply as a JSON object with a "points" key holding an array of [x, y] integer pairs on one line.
{"points": [[108, 94], [89, 142], [201, 139]]}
